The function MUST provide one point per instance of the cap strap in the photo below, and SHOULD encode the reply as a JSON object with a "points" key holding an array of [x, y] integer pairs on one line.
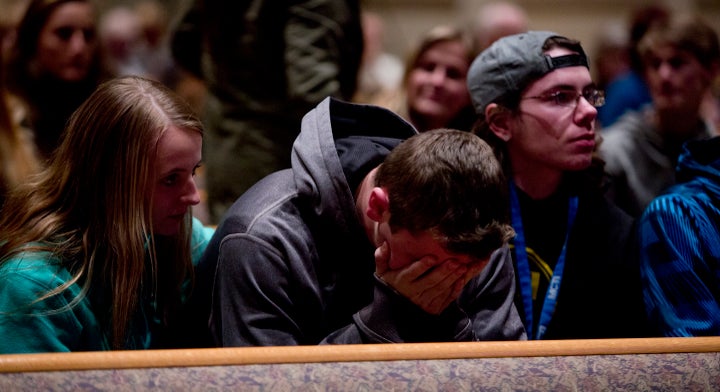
{"points": [[570, 60]]}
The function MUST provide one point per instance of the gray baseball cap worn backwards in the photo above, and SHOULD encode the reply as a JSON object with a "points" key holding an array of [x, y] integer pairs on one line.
{"points": [[511, 63]]}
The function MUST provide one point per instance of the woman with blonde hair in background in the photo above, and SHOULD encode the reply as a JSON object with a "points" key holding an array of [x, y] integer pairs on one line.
{"points": [[53, 66], [434, 91], [98, 251]]}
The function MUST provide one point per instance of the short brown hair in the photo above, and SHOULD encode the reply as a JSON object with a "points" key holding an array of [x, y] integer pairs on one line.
{"points": [[686, 32], [448, 182]]}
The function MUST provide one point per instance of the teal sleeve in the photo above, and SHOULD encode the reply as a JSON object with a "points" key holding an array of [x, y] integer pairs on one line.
{"points": [[28, 325], [199, 239]]}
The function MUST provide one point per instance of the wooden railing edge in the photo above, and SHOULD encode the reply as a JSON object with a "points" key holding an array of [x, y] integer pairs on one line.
{"points": [[345, 353]]}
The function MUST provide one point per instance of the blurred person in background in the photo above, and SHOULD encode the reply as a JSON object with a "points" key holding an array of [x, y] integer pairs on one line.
{"points": [[54, 66], [12, 11], [18, 157], [710, 108], [629, 91], [120, 40], [154, 26], [134, 41], [265, 66], [498, 19], [434, 90], [681, 59], [380, 72], [611, 60]]}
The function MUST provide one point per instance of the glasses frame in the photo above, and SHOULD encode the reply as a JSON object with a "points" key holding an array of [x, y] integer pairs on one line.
{"points": [[595, 97]]}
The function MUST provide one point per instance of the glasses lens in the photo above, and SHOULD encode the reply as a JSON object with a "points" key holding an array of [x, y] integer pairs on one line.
{"points": [[565, 98], [595, 97]]}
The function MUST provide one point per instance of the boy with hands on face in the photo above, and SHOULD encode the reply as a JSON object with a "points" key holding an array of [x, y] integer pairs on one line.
{"points": [[292, 261]]}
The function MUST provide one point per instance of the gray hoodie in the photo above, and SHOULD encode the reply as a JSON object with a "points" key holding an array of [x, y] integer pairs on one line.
{"points": [[291, 264]]}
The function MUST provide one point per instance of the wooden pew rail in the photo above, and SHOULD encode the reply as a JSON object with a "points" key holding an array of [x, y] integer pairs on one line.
{"points": [[602, 364]]}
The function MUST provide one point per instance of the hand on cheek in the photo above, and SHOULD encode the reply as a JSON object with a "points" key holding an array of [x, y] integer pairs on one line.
{"points": [[430, 283], [474, 269], [382, 260]]}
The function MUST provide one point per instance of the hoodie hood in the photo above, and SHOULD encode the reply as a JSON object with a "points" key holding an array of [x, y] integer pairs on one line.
{"points": [[700, 161], [316, 156]]}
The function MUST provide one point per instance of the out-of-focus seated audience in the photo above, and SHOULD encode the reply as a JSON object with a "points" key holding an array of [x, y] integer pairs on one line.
{"points": [[380, 72], [434, 89], [53, 66], [710, 108], [97, 252], [134, 41], [18, 156], [575, 264], [496, 19], [12, 12], [120, 39], [155, 29], [629, 91], [681, 59], [611, 59], [265, 65], [680, 247]]}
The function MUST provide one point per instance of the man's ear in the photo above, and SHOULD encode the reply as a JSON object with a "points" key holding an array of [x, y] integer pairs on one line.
{"points": [[498, 119], [378, 204]]}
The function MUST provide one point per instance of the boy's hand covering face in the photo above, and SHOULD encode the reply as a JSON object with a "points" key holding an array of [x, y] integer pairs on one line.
{"points": [[430, 283], [416, 265]]}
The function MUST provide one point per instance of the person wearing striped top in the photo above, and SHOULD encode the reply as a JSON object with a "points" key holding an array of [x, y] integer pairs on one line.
{"points": [[680, 247]]}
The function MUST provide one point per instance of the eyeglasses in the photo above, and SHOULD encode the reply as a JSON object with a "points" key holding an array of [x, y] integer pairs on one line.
{"points": [[570, 98]]}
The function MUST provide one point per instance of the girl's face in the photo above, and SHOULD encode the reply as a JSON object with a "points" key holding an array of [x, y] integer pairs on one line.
{"points": [[436, 86], [67, 42], [178, 156]]}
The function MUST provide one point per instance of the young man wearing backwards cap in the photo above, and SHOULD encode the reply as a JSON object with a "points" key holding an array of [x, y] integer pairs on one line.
{"points": [[573, 257]]}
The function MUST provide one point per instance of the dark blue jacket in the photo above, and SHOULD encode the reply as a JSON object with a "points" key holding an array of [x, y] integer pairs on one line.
{"points": [[680, 247]]}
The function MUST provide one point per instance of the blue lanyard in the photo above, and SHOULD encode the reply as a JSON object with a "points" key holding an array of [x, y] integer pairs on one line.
{"points": [[523, 268]]}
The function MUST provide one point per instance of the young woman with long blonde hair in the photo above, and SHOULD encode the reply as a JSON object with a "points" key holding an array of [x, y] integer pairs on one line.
{"points": [[98, 251]]}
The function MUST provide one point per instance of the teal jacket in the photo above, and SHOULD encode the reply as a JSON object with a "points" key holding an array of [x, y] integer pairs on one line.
{"points": [[62, 322]]}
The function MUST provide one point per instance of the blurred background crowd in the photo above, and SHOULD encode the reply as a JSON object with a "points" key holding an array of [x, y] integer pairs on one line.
{"points": [[396, 26], [135, 37]]}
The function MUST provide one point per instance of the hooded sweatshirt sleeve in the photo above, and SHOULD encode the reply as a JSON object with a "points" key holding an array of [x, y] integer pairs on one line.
{"points": [[484, 311], [270, 302], [391, 318]]}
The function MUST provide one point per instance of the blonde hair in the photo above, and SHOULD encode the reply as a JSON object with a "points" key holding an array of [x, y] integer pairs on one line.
{"points": [[92, 207], [436, 35], [17, 155]]}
